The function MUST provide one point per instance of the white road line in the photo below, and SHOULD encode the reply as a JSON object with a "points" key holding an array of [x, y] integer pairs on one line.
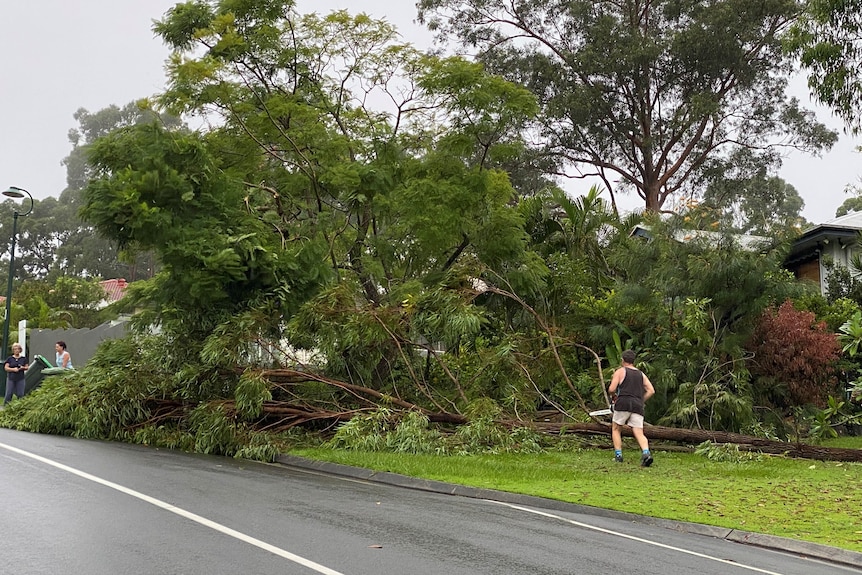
{"points": [[579, 524], [633, 538], [181, 512]]}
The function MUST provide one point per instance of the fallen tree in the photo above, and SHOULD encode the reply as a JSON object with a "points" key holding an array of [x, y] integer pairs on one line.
{"points": [[292, 415], [698, 436]]}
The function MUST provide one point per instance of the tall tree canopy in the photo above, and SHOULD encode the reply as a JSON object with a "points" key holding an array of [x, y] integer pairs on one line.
{"points": [[644, 94], [756, 203], [82, 251], [345, 196], [828, 38], [334, 152]]}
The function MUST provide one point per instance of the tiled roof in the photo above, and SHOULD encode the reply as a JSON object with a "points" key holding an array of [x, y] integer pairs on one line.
{"points": [[115, 288]]}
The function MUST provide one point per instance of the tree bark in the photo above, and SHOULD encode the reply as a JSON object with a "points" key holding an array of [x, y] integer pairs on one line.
{"points": [[653, 432], [697, 436]]}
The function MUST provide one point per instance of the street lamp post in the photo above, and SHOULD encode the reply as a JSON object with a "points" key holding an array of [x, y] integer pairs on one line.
{"points": [[16, 193]]}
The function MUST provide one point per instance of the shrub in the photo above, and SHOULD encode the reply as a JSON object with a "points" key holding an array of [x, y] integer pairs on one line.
{"points": [[794, 357]]}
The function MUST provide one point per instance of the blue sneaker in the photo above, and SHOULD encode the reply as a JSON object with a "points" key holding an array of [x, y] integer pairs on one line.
{"points": [[618, 457], [646, 459]]}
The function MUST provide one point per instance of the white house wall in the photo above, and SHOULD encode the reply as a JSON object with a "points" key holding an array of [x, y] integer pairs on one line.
{"points": [[834, 251]]}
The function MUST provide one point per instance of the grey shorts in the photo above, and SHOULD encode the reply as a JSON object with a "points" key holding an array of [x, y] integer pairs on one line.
{"points": [[628, 418]]}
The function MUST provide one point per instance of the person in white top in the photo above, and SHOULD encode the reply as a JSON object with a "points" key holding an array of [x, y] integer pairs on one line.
{"points": [[64, 359]]}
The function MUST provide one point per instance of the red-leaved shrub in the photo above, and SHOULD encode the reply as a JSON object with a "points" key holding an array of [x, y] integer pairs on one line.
{"points": [[794, 357]]}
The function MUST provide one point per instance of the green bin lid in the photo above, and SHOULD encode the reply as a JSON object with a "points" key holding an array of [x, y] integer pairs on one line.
{"points": [[54, 370], [41, 359]]}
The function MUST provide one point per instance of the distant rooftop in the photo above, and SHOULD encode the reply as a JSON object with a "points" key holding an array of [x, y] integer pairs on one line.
{"points": [[745, 241], [853, 220], [115, 289]]}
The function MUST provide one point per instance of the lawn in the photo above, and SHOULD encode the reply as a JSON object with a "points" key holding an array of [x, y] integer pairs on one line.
{"points": [[802, 499]]}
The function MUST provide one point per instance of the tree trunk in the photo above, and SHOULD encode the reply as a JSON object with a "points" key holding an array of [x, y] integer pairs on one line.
{"points": [[297, 416], [697, 436]]}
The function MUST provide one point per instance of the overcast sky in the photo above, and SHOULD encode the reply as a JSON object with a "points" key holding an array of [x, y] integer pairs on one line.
{"points": [[61, 55]]}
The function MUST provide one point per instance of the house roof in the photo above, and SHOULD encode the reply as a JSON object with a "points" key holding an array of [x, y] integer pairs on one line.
{"points": [[843, 230], [115, 288], [744, 241], [847, 222], [853, 220]]}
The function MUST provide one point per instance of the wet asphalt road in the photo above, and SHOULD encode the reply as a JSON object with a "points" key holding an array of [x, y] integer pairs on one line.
{"points": [[103, 508]]}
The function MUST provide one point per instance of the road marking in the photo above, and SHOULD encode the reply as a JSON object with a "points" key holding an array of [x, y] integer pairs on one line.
{"points": [[579, 524], [182, 513], [634, 538]]}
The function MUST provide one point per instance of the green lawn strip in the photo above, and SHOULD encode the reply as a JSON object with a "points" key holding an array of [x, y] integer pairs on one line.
{"points": [[807, 500]]}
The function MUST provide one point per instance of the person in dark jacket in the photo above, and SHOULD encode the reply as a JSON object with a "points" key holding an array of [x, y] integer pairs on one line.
{"points": [[632, 388], [16, 366]]}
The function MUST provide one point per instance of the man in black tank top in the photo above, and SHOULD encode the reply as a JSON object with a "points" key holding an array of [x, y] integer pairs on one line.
{"points": [[632, 388]]}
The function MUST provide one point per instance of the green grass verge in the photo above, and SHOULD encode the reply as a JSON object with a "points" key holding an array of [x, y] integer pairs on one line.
{"points": [[807, 500]]}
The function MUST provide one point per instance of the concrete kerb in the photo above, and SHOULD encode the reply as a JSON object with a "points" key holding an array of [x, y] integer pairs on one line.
{"points": [[803, 548]]}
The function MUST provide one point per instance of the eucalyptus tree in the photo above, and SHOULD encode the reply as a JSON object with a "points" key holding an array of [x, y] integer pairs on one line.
{"points": [[81, 251], [755, 203], [42, 235], [828, 40], [39, 237], [851, 204], [643, 94], [94, 125]]}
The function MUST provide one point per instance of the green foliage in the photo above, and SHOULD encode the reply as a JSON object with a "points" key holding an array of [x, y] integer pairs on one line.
{"points": [[261, 447], [413, 435], [483, 408], [483, 108], [823, 424], [251, 392], [392, 245], [689, 306], [851, 204], [675, 77], [820, 427], [834, 313], [382, 430], [482, 434], [842, 283], [760, 429], [851, 334], [366, 432], [390, 217], [677, 263], [353, 338], [105, 400], [752, 204], [163, 191], [130, 384], [726, 453], [827, 40], [166, 437], [214, 430], [63, 303]]}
